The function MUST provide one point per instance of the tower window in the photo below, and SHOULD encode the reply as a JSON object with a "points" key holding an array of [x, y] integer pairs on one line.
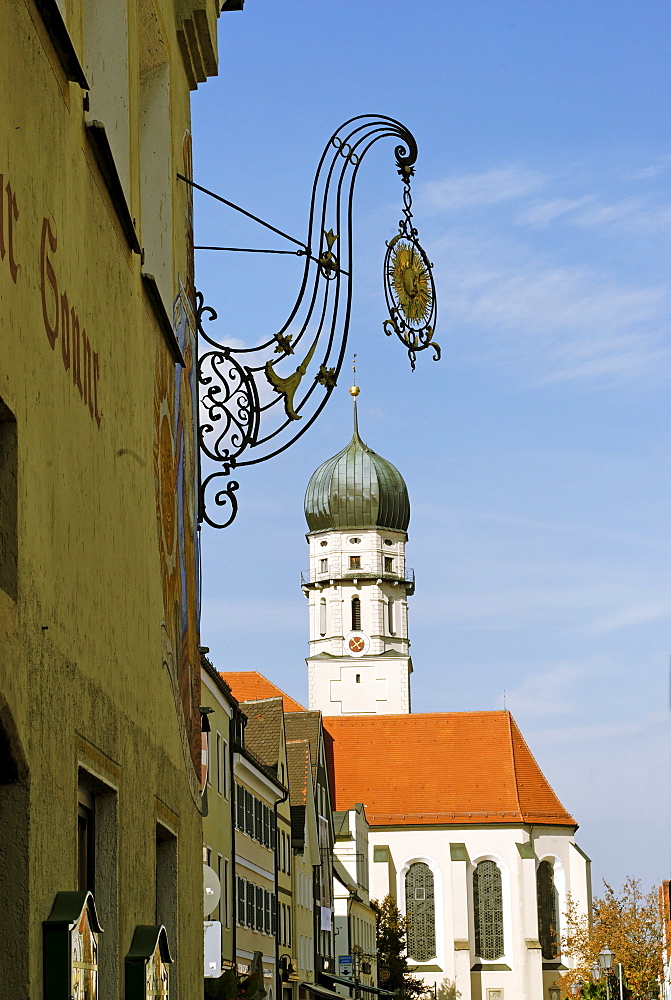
{"points": [[356, 614], [322, 616], [488, 910], [420, 912], [358, 678], [388, 541], [323, 543], [355, 562], [390, 616], [388, 564], [323, 565], [354, 541]]}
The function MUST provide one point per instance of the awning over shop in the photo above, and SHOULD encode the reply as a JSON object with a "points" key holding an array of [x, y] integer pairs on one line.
{"points": [[351, 984], [321, 991]]}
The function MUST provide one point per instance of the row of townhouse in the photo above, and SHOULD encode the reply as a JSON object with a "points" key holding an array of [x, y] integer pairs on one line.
{"points": [[290, 913]]}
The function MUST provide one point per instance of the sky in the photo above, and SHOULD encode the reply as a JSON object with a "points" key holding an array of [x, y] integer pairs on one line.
{"points": [[537, 451]]}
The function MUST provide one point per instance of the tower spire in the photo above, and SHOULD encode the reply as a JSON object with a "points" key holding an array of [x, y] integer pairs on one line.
{"points": [[354, 392]]}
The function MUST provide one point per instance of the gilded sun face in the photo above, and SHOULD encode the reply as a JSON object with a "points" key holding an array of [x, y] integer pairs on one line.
{"points": [[411, 281]]}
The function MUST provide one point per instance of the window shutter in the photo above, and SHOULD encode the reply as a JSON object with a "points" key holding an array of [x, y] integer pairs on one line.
{"points": [[241, 901], [267, 899], [273, 914], [249, 813], [250, 904], [258, 820], [266, 827], [239, 807], [259, 908], [273, 831]]}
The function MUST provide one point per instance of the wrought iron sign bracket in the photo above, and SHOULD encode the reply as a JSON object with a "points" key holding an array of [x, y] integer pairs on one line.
{"points": [[241, 422]]}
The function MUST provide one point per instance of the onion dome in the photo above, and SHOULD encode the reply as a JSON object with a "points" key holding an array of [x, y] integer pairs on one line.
{"points": [[357, 489]]}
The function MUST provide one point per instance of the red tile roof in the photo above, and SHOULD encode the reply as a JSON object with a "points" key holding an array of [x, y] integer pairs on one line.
{"points": [[443, 768], [250, 685]]}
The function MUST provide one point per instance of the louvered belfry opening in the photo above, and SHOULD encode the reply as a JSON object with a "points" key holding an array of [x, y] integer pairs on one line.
{"points": [[488, 910], [420, 910], [356, 614], [547, 910]]}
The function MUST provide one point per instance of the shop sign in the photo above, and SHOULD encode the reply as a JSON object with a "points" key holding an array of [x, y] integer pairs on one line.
{"points": [[71, 948], [147, 972]]}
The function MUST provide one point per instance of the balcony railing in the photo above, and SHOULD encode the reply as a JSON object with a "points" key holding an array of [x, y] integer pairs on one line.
{"points": [[407, 578]]}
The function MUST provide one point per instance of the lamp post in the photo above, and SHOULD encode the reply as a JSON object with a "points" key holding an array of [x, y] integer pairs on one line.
{"points": [[575, 988], [605, 964]]}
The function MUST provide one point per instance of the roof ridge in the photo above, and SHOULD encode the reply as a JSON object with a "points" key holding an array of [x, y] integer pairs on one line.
{"points": [[514, 762]]}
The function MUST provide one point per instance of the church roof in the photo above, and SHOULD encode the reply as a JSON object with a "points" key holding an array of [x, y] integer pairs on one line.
{"points": [[448, 768], [357, 489], [250, 685]]}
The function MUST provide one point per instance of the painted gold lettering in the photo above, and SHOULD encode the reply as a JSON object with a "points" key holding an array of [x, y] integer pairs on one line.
{"points": [[45, 265], [76, 353], [96, 372], [65, 330], [12, 217]]}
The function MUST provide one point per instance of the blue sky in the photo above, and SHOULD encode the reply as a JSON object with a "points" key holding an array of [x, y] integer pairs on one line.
{"points": [[537, 452]]}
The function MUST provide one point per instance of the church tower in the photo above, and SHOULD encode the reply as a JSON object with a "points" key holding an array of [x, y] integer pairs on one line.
{"points": [[357, 510]]}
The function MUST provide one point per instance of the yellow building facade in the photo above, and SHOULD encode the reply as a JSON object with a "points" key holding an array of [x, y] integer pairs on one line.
{"points": [[100, 728]]}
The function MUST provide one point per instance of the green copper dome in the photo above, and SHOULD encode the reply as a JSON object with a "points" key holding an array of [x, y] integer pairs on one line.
{"points": [[357, 489]]}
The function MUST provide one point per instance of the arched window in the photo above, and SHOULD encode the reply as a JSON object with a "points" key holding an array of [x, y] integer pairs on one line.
{"points": [[322, 616], [488, 910], [420, 911], [390, 616], [547, 910], [356, 614]]}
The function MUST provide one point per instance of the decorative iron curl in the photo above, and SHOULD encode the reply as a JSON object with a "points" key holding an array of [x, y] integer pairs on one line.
{"points": [[249, 405], [222, 498]]}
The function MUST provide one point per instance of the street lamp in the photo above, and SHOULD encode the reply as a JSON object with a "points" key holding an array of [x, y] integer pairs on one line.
{"points": [[575, 988], [605, 964], [606, 956]]}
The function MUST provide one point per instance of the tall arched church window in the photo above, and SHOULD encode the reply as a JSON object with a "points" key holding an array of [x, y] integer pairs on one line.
{"points": [[547, 910], [488, 910], [322, 617], [356, 614], [420, 911]]}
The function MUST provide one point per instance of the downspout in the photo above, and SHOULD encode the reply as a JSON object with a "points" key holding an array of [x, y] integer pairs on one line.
{"points": [[234, 885], [278, 977]]}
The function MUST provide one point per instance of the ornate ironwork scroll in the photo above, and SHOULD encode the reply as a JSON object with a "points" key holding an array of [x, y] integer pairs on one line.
{"points": [[252, 398]]}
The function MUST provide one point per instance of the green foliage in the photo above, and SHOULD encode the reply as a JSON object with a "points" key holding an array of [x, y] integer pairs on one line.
{"points": [[391, 947]]}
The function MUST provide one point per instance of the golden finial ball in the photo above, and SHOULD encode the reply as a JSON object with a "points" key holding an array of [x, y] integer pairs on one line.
{"points": [[354, 390]]}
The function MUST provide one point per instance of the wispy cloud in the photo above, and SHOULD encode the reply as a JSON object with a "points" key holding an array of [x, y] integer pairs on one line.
{"points": [[486, 188], [543, 694], [558, 321]]}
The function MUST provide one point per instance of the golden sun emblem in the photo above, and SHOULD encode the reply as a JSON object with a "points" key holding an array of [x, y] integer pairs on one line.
{"points": [[411, 281]]}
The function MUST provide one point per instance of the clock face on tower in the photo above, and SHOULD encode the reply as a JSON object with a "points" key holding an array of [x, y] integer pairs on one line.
{"points": [[357, 644]]}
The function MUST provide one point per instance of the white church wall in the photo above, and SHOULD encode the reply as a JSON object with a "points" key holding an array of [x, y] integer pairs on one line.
{"points": [[453, 887]]}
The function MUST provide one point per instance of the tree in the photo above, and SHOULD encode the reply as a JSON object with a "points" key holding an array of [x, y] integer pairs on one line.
{"points": [[630, 923], [391, 945]]}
